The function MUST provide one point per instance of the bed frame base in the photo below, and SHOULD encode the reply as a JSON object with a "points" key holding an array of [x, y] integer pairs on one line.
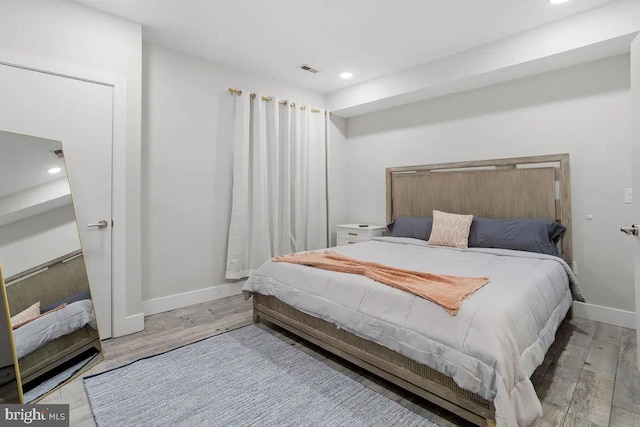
{"points": [[379, 360]]}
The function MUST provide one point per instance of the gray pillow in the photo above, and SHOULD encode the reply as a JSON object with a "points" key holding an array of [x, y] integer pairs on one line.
{"points": [[532, 235], [416, 227], [68, 300]]}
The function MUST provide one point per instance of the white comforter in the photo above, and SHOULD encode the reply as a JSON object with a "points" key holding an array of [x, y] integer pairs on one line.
{"points": [[491, 347], [28, 338]]}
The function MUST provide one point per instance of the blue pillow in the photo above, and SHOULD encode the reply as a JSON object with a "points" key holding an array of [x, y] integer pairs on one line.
{"points": [[415, 227], [532, 235], [73, 298]]}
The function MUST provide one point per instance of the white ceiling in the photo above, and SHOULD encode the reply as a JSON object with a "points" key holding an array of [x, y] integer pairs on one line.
{"points": [[24, 162], [370, 38]]}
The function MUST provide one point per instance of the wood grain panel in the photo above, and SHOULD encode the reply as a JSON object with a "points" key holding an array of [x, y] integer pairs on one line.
{"points": [[626, 393], [622, 417], [526, 193], [523, 187], [628, 349], [592, 399], [48, 285], [569, 363], [602, 358], [552, 415]]}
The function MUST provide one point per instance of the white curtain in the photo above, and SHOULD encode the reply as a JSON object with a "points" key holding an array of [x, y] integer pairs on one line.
{"points": [[279, 183]]}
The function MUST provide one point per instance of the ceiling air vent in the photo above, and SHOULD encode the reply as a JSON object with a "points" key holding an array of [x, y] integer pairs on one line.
{"points": [[58, 153], [305, 67]]}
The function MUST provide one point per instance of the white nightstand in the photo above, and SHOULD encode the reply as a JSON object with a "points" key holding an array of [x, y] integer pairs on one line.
{"points": [[353, 233]]}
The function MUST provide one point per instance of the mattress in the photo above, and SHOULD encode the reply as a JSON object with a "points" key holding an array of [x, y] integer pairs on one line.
{"points": [[35, 334], [491, 347]]}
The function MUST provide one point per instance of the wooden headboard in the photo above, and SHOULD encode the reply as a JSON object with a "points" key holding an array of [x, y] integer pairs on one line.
{"points": [[47, 283], [523, 187]]}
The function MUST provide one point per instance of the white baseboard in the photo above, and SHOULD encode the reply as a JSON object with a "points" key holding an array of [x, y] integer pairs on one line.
{"points": [[135, 323], [612, 316], [172, 302]]}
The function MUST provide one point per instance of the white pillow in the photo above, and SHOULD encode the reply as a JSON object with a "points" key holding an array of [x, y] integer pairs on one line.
{"points": [[450, 230]]}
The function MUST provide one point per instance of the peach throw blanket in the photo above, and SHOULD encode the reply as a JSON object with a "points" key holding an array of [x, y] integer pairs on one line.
{"points": [[446, 291]]}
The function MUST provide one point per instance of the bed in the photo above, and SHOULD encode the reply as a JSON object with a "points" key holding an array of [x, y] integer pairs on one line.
{"points": [[478, 363], [53, 339], [53, 325]]}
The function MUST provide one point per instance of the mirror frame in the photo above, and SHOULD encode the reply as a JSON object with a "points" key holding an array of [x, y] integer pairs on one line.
{"points": [[99, 357], [14, 356]]}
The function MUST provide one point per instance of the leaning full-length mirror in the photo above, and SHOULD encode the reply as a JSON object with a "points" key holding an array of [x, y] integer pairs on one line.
{"points": [[46, 288]]}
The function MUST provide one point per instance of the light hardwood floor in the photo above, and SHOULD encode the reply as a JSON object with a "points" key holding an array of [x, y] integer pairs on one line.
{"points": [[589, 377]]}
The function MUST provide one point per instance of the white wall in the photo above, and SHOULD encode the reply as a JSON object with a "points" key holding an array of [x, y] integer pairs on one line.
{"points": [[64, 32], [187, 161], [33, 241], [584, 110]]}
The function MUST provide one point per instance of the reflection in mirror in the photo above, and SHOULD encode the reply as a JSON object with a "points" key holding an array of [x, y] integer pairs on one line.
{"points": [[45, 278]]}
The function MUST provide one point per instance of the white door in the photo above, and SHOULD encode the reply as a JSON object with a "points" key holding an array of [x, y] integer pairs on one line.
{"points": [[80, 115]]}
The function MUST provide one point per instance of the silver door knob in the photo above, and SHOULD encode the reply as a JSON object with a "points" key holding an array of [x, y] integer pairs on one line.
{"points": [[634, 230], [100, 224]]}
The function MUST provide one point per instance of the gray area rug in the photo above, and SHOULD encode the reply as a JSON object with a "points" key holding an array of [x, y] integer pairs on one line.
{"points": [[245, 377]]}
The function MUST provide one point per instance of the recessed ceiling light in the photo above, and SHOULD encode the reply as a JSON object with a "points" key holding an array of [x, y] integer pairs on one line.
{"points": [[55, 170], [557, 1], [346, 75]]}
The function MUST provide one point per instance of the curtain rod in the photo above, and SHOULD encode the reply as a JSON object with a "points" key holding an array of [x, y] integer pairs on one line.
{"points": [[238, 92]]}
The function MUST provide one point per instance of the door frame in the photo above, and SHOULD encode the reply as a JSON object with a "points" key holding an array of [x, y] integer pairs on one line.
{"points": [[635, 159], [126, 179]]}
